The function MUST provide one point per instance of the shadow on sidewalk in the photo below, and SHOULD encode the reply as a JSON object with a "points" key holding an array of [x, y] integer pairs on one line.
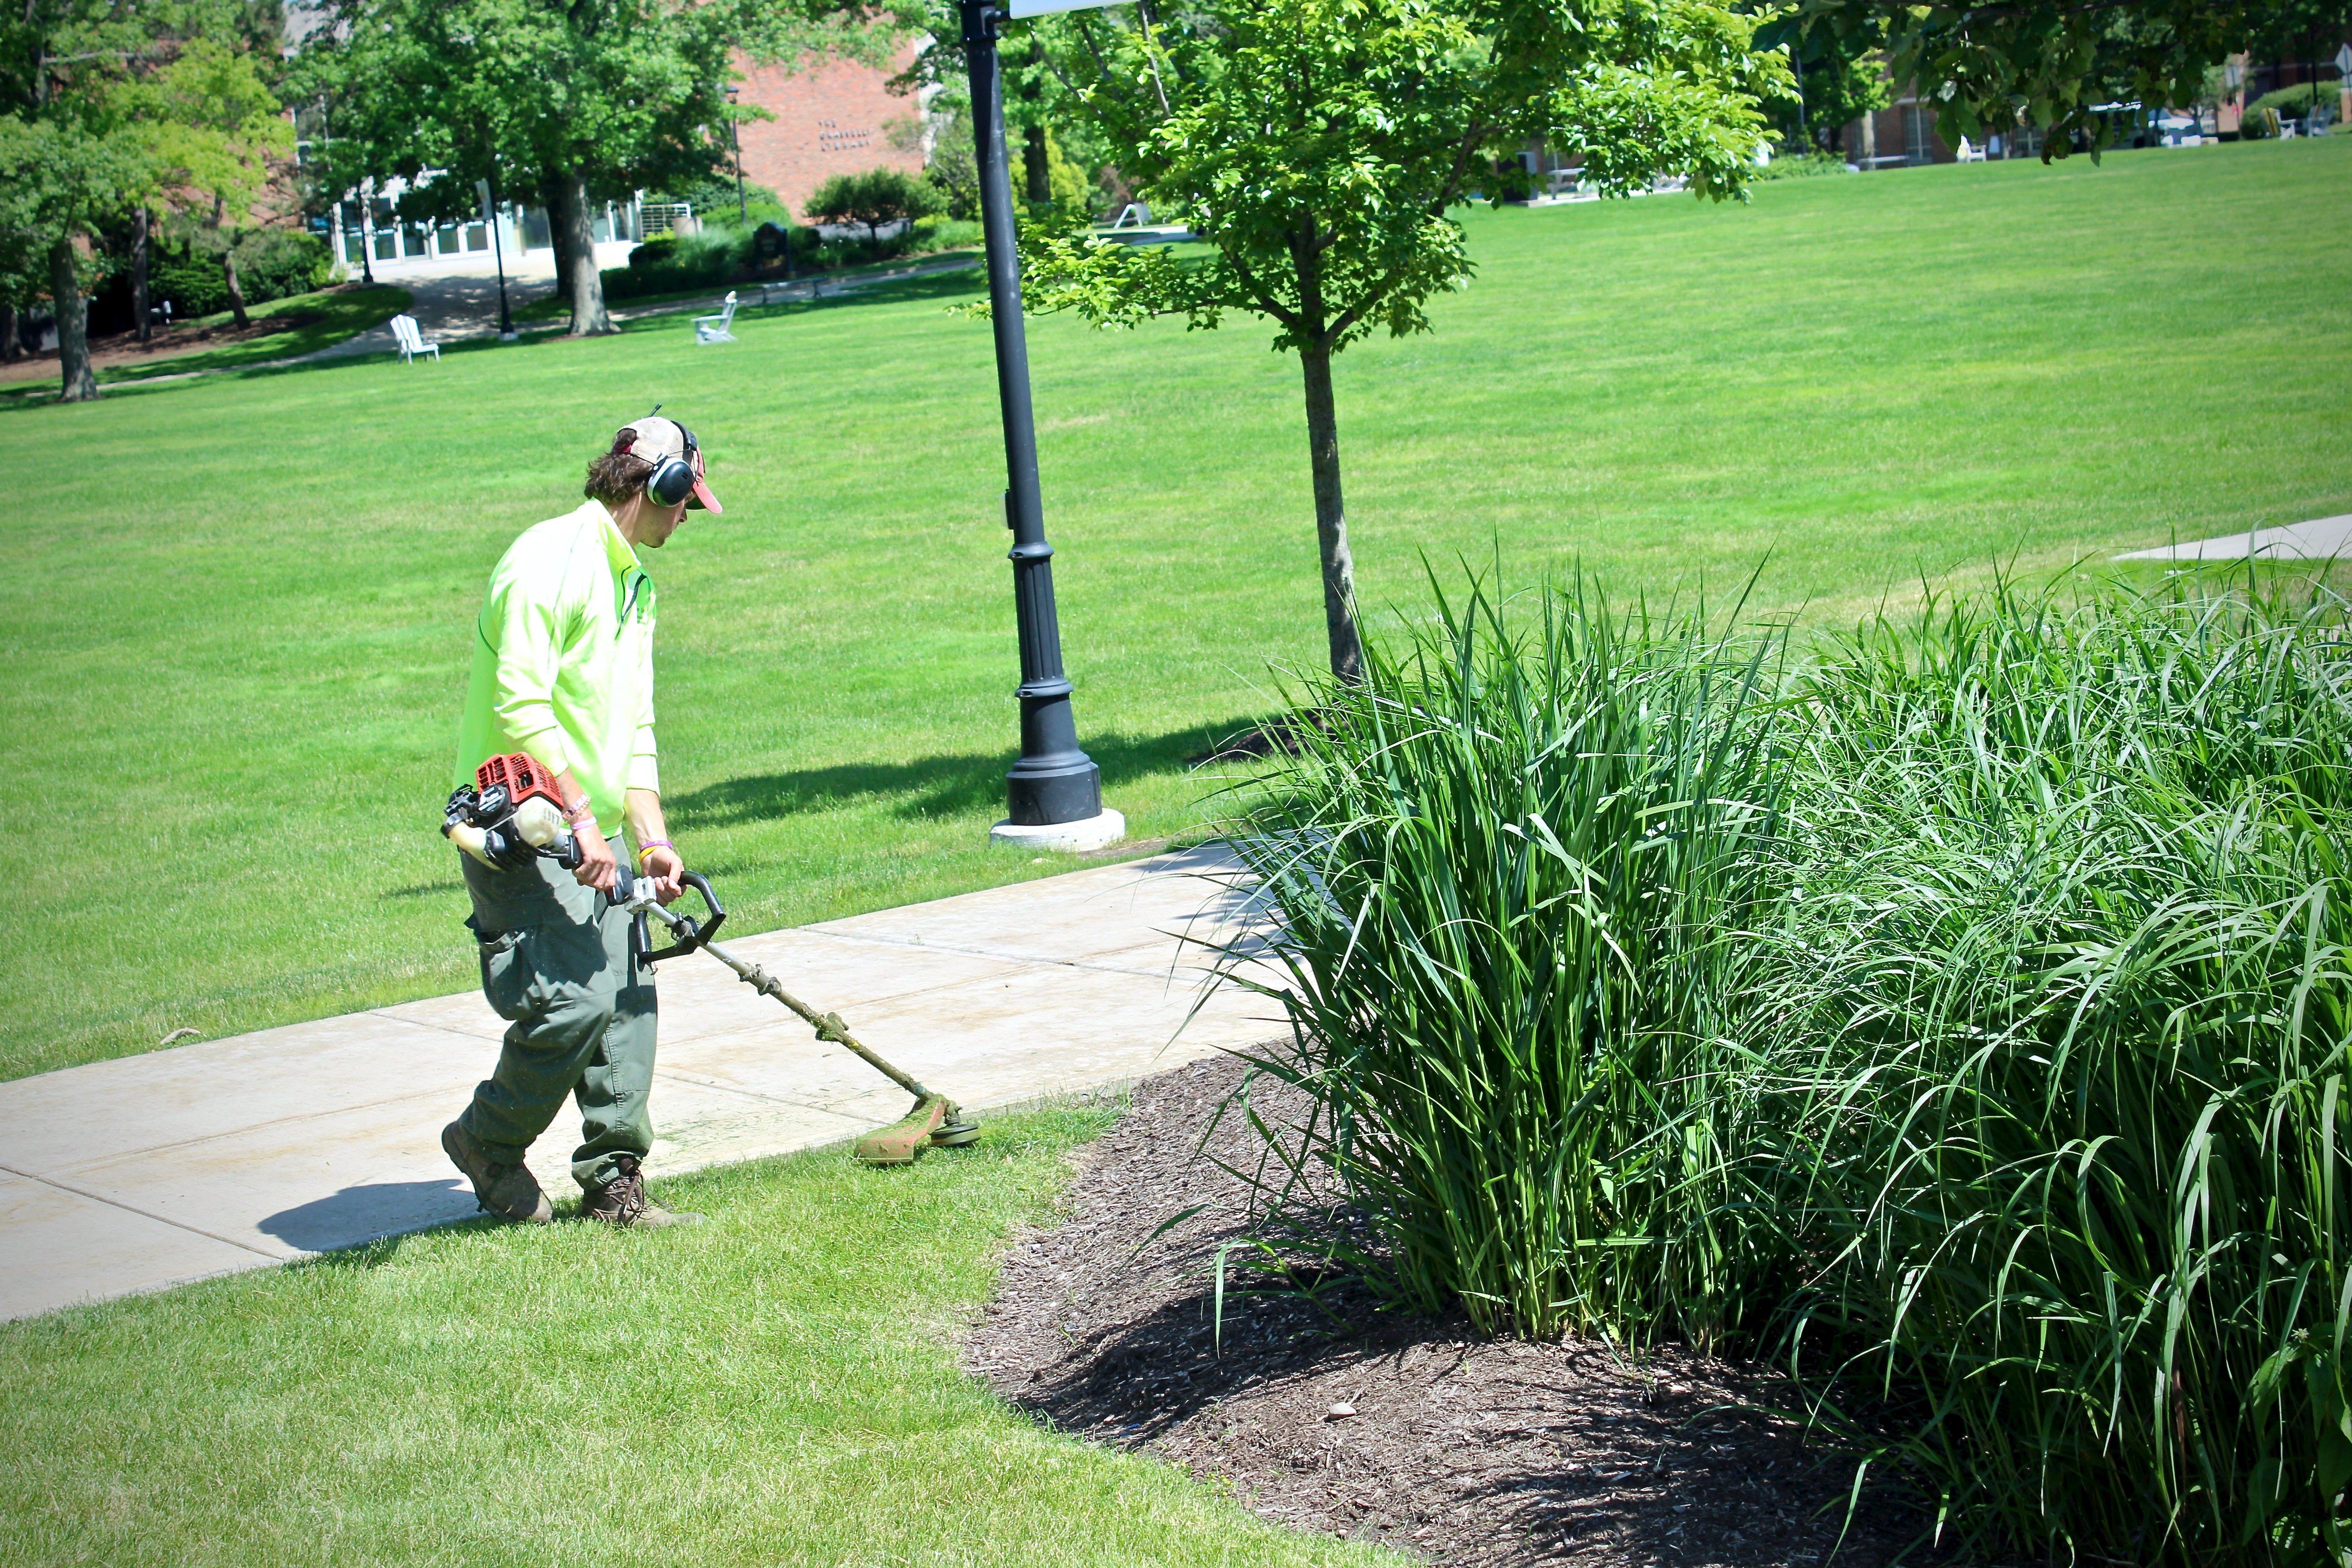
{"points": [[369, 1213], [930, 786]]}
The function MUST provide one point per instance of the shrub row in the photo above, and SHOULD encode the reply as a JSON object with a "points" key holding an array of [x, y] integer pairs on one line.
{"points": [[272, 265], [715, 256], [1958, 1013]]}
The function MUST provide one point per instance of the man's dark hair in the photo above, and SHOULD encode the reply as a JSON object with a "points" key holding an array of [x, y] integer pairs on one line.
{"points": [[617, 477]]}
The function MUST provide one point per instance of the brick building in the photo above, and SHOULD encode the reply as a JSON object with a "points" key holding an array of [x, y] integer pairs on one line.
{"points": [[833, 118]]}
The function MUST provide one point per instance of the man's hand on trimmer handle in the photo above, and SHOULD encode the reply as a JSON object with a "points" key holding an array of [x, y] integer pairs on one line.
{"points": [[661, 863], [597, 869]]}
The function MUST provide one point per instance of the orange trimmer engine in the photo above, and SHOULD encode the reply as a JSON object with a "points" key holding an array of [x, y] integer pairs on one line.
{"points": [[510, 815], [521, 776]]}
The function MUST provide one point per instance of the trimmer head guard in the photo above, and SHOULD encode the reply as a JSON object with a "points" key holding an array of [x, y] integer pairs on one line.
{"points": [[934, 1122]]}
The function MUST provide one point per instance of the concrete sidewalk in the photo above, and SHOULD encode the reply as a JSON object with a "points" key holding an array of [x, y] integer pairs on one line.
{"points": [[236, 1153], [2321, 539]]}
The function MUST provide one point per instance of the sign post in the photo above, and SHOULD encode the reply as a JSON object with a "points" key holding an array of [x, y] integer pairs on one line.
{"points": [[1054, 794]]}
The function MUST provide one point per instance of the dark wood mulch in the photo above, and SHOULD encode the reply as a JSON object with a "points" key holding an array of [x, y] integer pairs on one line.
{"points": [[1382, 1427]]}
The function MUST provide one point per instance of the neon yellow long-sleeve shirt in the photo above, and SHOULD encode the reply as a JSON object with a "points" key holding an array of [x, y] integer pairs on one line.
{"points": [[564, 660]]}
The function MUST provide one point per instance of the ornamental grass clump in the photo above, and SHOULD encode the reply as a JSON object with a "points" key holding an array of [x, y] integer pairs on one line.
{"points": [[1502, 863], [2059, 1002], [1959, 1013]]}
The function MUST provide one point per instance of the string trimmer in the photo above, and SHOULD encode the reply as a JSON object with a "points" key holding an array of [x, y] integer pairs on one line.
{"points": [[513, 816]]}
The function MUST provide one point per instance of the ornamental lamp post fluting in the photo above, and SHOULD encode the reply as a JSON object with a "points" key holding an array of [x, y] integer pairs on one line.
{"points": [[1054, 794]]}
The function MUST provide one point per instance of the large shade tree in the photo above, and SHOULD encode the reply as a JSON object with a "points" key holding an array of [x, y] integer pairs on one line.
{"points": [[81, 123], [2051, 64], [73, 154], [562, 103], [1318, 146]]}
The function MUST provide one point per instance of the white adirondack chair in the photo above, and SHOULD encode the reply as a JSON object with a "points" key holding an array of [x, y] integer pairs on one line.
{"points": [[412, 342], [714, 329]]}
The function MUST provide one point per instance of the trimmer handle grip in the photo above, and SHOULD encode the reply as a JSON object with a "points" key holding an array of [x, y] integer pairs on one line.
{"points": [[624, 888], [692, 934]]}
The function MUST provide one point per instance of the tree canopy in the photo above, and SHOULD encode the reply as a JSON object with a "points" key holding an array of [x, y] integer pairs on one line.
{"points": [[81, 129], [2051, 64], [568, 104], [1317, 147], [211, 129]]}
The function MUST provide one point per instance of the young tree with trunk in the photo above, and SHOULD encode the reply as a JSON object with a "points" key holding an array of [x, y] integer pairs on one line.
{"points": [[214, 128], [565, 103], [1318, 145]]}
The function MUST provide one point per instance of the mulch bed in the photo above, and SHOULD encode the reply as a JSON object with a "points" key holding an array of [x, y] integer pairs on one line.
{"points": [[1382, 1427]]}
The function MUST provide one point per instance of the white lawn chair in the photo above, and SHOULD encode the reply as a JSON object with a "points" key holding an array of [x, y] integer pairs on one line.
{"points": [[412, 342], [714, 329], [1970, 153]]}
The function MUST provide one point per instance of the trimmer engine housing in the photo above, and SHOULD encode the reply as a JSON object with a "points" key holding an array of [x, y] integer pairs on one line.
{"points": [[510, 815]]}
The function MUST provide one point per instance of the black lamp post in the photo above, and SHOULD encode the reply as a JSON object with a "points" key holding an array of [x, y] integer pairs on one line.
{"points": [[507, 333], [1055, 784], [743, 211], [367, 236]]}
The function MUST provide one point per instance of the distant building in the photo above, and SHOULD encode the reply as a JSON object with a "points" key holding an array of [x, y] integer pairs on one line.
{"points": [[836, 118]]}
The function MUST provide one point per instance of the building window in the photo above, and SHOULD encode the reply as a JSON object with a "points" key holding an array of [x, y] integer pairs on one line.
{"points": [[1918, 133]]}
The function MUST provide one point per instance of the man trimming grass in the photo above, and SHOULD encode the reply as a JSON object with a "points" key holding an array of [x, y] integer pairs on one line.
{"points": [[563, 669]]}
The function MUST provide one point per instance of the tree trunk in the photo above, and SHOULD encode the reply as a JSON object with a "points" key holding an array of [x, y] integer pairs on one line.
{"points": [[1331, 519], [140, 246], [9, 351], [1036, 171], [80, 383], [235, 290], [569, 215], [1034, 165]]}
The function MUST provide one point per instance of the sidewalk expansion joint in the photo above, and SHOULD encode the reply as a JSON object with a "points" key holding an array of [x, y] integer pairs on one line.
{"points": [[145, 1213], [781, 1102], [1093, 963]]}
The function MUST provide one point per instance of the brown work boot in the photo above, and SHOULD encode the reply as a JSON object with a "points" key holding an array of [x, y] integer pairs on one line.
{"points": [[622, 1202], [509, 1192]]}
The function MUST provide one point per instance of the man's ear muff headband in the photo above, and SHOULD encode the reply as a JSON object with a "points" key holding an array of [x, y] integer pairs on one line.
{"points": [[672, 479]]}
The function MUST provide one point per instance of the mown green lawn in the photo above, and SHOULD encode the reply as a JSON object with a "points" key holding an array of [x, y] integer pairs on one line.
{"points": [[777, 1386], [319, 320], [238, 634]]}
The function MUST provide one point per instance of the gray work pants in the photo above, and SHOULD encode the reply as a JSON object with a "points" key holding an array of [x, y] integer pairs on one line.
{"points": [[580, 1015]]}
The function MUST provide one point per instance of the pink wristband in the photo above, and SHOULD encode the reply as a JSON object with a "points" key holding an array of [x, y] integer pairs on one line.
{"points": [[646, 848]]}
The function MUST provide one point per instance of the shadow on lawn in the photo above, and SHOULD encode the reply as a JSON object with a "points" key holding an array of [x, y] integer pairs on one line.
{"points": [[934, 786]]}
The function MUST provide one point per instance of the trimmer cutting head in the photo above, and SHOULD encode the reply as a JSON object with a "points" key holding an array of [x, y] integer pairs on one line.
{"points": [[934, 1122]]}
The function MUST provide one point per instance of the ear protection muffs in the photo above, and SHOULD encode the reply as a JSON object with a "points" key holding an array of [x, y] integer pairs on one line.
{"points": [[672, 479]]}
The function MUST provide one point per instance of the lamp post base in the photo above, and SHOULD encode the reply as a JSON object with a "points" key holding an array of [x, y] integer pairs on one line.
{"points": [[1071, 837]]}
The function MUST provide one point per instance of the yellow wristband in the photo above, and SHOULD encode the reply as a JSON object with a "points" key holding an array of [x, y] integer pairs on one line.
{"points": [[646, 849]]}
